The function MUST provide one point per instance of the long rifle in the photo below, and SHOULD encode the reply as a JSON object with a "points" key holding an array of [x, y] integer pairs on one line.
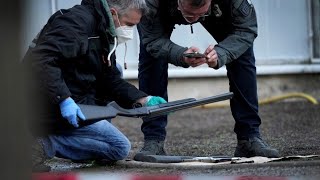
{"points": [[97, 113], [179, 159]]}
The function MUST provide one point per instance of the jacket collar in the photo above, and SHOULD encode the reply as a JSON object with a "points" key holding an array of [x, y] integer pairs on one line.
{"points": [[102, 9]]}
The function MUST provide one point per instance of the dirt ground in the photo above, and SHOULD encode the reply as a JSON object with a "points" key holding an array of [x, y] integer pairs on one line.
{"points": [[292, 127]]}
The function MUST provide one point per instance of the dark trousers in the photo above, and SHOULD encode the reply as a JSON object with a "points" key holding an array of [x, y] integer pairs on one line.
{"points": [[153, 80]]}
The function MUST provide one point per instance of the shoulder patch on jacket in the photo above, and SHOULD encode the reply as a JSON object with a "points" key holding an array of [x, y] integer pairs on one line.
{"points": [[216, 10], [245, 7]]}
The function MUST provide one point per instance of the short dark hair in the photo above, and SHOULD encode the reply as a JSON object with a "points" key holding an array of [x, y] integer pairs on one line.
{"points": [[195, 3]]}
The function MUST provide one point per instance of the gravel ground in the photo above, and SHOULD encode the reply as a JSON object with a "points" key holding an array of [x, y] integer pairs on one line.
{"points": [[292, 127]]}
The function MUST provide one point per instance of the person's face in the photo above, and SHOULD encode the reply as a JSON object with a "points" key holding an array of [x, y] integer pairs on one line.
{"points": [[192, 14], [131, 18]]}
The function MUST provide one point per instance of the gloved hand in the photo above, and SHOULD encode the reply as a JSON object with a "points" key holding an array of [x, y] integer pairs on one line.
{"points": [[154, 100], [70, 110]]}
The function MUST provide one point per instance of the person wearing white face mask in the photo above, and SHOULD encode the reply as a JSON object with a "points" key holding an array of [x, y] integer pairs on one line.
{"points": [[73, 60], [124, 33]]}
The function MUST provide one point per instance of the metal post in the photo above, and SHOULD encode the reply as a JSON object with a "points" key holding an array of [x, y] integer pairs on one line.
{"points": [[53, 6], [315, 15], [14, 140]]}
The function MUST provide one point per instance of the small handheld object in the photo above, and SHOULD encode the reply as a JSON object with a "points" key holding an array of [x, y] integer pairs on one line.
{"points": [[194, 55]]}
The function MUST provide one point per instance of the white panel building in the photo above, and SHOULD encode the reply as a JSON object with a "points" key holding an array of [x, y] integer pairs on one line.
{"points": [[287, 30]]}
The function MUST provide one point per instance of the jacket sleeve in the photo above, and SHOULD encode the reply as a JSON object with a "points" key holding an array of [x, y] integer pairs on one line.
{"points": [[118, 89], [156, 39], [244, 23], [60, 40]]}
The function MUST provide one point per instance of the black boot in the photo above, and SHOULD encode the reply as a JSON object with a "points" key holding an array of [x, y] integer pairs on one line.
{"points": [[151, 147], [38, 158], [255, 146]]}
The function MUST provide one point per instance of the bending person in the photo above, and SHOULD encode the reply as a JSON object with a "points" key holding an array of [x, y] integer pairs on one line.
{"points": [[233, 24]]}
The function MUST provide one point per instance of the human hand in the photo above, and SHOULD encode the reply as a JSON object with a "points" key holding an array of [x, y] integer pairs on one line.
{"points": [[154, 100], [193, 62], [70, 111], [211, 56]]}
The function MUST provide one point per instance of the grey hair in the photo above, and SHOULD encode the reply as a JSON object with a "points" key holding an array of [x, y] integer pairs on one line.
{"points": [[124, 5], [195, 3]]}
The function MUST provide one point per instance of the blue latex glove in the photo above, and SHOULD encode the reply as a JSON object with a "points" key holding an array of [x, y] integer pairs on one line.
{"points": [[154, 100], [70, 111]]}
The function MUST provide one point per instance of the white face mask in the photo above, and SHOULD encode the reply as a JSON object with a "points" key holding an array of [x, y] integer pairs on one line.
{"points": [[124, 33]]}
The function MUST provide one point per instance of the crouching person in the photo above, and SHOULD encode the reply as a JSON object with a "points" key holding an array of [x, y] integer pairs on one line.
{"points": [[73, 61]]}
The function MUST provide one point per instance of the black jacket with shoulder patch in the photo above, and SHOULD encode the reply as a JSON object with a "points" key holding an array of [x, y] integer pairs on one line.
{"points": [[232, 23]]}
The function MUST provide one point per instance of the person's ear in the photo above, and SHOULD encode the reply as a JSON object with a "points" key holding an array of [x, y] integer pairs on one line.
{"points": [[115, 16], [113, 11]]}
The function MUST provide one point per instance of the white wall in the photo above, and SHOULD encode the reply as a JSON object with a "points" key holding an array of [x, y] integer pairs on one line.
{"points": [[282, 28], [283, 33], [36, 15]]}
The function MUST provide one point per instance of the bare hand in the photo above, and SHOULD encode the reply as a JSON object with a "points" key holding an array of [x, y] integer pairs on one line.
{"points": [[211, 56], [194, 62]]}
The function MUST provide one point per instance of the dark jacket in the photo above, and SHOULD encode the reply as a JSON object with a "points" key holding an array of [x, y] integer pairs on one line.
{"points": [[232, 23], [69, 58]]}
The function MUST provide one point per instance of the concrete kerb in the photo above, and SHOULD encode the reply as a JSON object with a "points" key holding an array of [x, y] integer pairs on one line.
{"points": [[61, 165], [205, 166]]}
